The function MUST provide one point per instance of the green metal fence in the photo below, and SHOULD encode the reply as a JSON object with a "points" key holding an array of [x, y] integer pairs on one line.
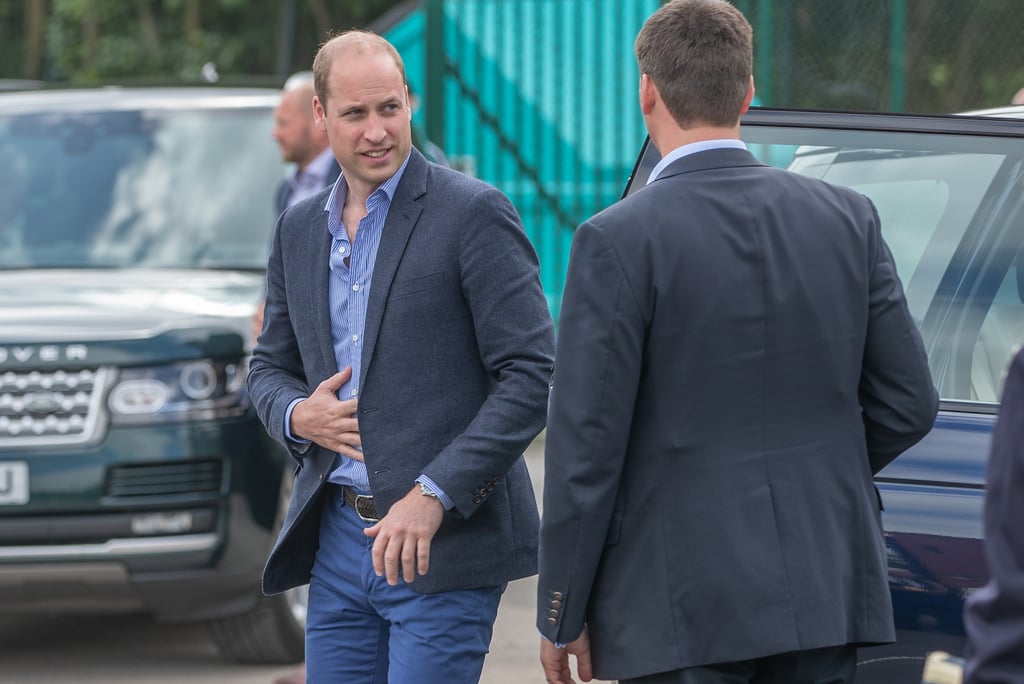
{"points": [[539, 98]]}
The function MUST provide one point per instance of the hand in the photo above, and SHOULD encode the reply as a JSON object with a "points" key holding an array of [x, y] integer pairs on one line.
{"points": [[328, 421], [402, 537], [555, 661]]}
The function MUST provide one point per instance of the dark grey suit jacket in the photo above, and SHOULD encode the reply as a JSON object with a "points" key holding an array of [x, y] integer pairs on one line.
{"points": [[994, 615], [457, 356], [735, 359]]}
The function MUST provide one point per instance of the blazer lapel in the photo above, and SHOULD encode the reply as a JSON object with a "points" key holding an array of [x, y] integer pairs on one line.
{"points": [[318, 261], [402, 217]]}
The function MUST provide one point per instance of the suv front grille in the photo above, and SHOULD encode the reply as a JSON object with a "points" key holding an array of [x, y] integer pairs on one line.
{"points": [[52, 407], [190, 477]]}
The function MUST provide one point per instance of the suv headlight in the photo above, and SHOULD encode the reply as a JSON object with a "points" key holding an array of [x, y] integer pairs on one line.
{"points": [[203, 389]]}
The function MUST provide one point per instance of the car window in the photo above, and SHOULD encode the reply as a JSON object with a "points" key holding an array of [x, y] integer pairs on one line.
{"points": [[177, 189], [951, 211]]}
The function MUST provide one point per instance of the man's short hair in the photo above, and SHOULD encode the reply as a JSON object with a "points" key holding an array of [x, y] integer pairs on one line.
{"points": [[354, 41], [699, 53]]}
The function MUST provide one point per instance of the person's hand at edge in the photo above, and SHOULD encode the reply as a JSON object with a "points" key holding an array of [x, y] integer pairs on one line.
{"points": [[555, 661]]}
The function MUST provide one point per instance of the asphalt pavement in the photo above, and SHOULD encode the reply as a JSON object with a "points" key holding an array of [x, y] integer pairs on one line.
{"points": [[133, 649]]}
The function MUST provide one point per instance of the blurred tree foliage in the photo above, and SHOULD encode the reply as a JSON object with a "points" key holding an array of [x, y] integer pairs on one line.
{"points": [[904, 55], [912, 55], [102, 41]]}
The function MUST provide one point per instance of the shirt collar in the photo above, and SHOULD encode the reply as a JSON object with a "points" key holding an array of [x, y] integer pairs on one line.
{"points": [[336, 200], [693, 148]]}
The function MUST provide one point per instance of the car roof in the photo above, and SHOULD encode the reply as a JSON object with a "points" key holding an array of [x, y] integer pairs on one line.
{"points": [[113, 98]]}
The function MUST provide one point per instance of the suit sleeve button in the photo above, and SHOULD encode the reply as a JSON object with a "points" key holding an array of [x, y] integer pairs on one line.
{"points": [[552, 621], [557, 596]]}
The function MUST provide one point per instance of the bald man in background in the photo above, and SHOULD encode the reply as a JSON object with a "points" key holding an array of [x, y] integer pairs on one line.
{"points": [[301, 143]]}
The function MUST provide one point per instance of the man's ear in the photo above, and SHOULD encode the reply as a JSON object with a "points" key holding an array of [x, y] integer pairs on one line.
{"points": [[319, 115], [749, 98], [648, 94]]}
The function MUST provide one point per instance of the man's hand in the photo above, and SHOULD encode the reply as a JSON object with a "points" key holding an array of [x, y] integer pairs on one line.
{"points": [[402, 537], [328, 421], [555, 661]]}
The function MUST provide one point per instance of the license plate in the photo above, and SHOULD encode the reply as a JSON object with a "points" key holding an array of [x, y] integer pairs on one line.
{"points": [[13, 483]]}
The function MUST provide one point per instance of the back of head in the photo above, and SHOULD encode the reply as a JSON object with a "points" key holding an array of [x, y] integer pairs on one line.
{"points": [[699, 54], [352, 42], [299, 88]]}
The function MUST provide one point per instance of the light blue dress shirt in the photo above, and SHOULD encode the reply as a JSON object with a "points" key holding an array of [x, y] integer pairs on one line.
{"points": [[311, 179], [349, 295]]}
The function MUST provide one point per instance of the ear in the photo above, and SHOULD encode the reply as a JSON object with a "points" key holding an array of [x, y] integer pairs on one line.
{"points": [[319, 115], [648, 94], [749, 98]]}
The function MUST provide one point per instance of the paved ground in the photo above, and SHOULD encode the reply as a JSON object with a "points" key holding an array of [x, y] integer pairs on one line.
{"points": [[514, 648], [121, 650]]}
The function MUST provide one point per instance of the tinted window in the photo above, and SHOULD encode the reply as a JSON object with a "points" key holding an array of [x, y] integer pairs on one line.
{"points": [[175, 189], [951, 211]]}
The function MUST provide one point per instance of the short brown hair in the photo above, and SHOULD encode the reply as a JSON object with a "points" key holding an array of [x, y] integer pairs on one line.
{"points": [[356, 42], [699, 53]]}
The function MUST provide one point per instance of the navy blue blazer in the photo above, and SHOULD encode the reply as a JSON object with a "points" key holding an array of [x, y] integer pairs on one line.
{"points": [[735, 359], [457, 358], [994, 614]]}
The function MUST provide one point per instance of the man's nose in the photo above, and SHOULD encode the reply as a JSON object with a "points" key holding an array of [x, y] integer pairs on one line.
{"points": [[375, 131]]}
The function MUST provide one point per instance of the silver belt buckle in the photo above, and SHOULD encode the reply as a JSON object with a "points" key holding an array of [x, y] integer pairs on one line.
{"points": [[365, 503]]}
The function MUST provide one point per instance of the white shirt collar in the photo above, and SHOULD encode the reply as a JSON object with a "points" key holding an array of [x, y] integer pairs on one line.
{"points": [[692, 148]]}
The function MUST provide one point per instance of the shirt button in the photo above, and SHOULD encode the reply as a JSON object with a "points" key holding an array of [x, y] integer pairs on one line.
{"points": [[355, 338], [355, 392], [342, 249], [355, 288]]}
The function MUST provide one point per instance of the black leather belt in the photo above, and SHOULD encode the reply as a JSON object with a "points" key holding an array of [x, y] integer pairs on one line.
{"points": [[362, 504]]}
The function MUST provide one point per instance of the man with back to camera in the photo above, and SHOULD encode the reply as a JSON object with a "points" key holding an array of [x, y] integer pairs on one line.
{"points": [[404, 361], [735, 360]]}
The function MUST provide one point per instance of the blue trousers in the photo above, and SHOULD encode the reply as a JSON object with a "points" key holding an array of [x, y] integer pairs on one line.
{"points": [[361, 630]]}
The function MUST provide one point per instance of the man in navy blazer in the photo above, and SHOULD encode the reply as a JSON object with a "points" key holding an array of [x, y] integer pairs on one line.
{"points": [[735, 360], [404, 361], [994, 614]]}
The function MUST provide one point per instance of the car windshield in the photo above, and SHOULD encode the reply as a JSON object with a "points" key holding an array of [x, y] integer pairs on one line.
{"points": [[119, 189]]}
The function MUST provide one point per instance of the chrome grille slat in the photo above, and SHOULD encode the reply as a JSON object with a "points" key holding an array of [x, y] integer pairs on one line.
{"points": [[52, 407]]}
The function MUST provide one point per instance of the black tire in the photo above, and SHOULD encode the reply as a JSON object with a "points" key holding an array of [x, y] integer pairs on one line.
{"points": [[272, 632]]}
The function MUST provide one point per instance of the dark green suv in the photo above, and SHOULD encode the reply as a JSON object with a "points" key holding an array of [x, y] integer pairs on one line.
{"points": [[134, 474]]}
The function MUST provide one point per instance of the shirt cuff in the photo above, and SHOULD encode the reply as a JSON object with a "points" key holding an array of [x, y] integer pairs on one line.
{"points": [[441, 496], [557, 644], [288, 423]]}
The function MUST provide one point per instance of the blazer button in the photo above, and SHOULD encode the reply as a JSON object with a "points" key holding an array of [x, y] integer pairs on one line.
{"points": [[552, 621], [553, 613], [556, 604], [557, 596], [477, 499]]}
